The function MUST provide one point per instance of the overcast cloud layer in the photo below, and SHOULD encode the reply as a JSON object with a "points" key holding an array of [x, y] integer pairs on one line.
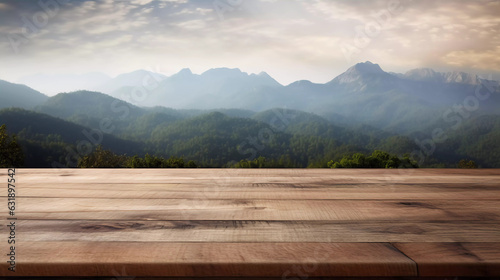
{"points": [[291, 40]]}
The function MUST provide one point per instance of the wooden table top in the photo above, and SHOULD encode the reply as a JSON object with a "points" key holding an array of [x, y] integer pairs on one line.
{"points": [[281, 223]]}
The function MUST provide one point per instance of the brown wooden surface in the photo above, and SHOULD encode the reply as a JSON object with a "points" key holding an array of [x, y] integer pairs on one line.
{"points": [[281, 223]]}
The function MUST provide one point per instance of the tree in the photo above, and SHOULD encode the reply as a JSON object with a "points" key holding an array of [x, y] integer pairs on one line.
{"points": [[11, 153], [467, 164], [173, 162], [378, 159], [102, 158], [158, 162]]}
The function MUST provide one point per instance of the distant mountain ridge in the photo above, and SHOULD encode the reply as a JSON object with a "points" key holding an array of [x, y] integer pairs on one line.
{"points": [[100, 82], [363, 94], [21, 96], [53, 84], [429, 75]]}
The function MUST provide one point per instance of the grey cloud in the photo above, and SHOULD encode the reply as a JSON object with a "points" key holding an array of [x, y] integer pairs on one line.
{"points": [[291, 39]]}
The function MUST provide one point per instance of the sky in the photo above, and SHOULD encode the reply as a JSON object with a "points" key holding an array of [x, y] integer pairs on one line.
{"points": [[291, 40]]}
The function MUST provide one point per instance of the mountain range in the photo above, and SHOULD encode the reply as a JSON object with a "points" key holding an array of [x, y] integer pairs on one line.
{"points": [[363, 94], [362, 109]]}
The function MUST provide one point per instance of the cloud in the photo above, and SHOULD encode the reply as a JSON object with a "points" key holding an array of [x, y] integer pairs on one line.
{"points": [[294, 39], [484, 60], [4, 6]]}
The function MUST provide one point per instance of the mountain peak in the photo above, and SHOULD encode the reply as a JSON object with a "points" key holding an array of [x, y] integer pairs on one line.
{"points": [[185, 71], [265, 79], [427, 74], [139, 75], [423, 74], [366, 67], [301, 83], [461, 77], [135, 72], [358, 72], [222, 71]]}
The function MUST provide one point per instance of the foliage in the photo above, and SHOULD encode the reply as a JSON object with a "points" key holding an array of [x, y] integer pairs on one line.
{"points": [[158, 162], [262, 162], [11, 153], [107, 159], [378, 159], [467, 164], [47, 140], [20, 96], [102, 158], [160, 137], [475, 139]]}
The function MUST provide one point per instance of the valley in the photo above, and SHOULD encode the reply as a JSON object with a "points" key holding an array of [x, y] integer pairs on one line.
{"points": [[224, 116]]}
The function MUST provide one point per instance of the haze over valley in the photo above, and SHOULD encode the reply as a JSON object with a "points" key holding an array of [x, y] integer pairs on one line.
{"points": [[223, 116]]}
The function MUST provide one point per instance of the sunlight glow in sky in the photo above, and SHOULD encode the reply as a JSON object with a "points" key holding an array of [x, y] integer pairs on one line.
{"points": [[291, 40]]}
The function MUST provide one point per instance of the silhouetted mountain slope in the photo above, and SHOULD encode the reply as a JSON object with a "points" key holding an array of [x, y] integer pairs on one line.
{"points": [[92, 109], [47, 139], [54, 84], [225, 115], [215, 88], [21, 96], [139, 79], [476, 138]]}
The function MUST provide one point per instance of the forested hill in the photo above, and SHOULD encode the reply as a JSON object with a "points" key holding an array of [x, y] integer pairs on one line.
{"points": [[224, 116], [52, 142], [15, 95], [287, 138], [211, 139]]}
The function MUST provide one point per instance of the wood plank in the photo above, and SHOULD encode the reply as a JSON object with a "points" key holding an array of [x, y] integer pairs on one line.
{"points": [[263, 176], [257, 231], [454, 259], [185, 209], [210, 259], [264, 191], [257, 222]]}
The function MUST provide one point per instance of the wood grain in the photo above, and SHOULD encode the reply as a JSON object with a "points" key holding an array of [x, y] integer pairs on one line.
{"points": [[265, 191], [213, 259], [278, 223], [463, 259], [257, 231], [246, 210]]}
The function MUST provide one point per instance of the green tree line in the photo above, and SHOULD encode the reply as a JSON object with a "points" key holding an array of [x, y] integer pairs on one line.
{"points": [[101, 158], [378, 159], [11, 153]]}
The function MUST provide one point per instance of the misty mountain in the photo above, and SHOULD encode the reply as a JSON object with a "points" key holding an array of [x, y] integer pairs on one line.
{"points": [[359, 76], [53, 84], [429, 75], [187, 113], [90, 109], [21, 96], [66, 105], [304, 123], [404, 103], [476, 138], [46, 139], [224, 115], [296, 122], [364, 94], [137, 79], [216, 139], [215, 88]]}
